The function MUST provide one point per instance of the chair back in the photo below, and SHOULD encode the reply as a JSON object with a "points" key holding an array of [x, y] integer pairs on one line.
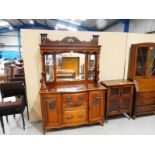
{"points": [[9, 89]]}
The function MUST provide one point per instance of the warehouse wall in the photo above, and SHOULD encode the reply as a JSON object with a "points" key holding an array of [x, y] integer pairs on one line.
{"points": [[119, 27], [9, 45], [135, 26], [10, 38], [113, 58]]}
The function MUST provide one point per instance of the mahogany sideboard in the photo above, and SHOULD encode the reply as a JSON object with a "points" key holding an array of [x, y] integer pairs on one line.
{"points": [[70, 105], [68, 101]]}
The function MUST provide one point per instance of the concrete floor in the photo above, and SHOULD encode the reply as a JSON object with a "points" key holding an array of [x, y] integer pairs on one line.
{"points": [[116, 126]]}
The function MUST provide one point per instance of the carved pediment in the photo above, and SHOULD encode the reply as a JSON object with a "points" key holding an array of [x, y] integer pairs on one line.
{"points": [[71, 41]]}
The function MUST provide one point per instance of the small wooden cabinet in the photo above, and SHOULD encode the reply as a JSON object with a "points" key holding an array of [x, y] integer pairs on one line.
{"points": [[142, 73], [119, 97], [70, 94]]}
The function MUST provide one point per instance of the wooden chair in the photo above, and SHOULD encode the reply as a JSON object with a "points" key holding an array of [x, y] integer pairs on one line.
{"points": [[10, 108], [17, 89], [22, 79]]}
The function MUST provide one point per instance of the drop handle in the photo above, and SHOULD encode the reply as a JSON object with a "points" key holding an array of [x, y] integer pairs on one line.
{"points": [[69, 117], [81, 97], [80, 116], [69, 97]]}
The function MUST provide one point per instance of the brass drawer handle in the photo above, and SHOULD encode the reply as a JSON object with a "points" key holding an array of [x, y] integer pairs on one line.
{"points": [[81, 97], [47, 97], [69, 97], [80, 116], [69, 117]]}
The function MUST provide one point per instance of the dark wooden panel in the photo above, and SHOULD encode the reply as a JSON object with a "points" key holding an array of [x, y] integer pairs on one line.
{"points": [[113, 106], [146, 101], [145, 109], [125, 104]]}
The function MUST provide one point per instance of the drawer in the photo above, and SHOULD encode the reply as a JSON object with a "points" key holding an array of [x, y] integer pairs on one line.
{"points": [[69, 105], [145, 109], [75, 97], [146, 101], [148, 94], [75, 116]]}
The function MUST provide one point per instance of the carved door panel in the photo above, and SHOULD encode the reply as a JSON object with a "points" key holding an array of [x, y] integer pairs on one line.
{"points": [[114, 91], [125, 104], [113, 106], [53, 107], [95, 105], [126, 90]]}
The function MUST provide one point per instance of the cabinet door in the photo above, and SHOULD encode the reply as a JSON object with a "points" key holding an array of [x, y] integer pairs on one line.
{"points": [[126, 90], [113, 106], [96, 105], [53, 109], [125, 104], [114, 91], [151, 70]]}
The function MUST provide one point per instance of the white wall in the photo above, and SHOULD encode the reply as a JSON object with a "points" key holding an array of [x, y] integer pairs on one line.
{"points": [[10, 38], [113, 58]]}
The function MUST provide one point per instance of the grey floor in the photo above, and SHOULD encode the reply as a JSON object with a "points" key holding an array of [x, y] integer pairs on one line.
{"points": [[116, 126]]}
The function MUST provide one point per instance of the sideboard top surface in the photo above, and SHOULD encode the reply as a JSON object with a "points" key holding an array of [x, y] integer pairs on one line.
{"points": [[72, 88]]}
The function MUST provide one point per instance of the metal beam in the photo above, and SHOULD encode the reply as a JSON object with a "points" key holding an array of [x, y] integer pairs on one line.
{"points": [[126, 23], [14, 26], [21, 21], [73, 25], [27, 26], [19, 43]]}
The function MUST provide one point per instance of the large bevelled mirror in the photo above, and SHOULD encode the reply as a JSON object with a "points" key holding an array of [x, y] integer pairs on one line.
{"points": [[70, 66], [49, 67]]}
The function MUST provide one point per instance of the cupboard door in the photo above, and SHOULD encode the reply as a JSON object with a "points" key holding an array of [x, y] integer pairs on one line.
{"points": [[53, 107], [152, 62], [95, 105], [114, 91], [126, 90], [125, 104], [141, 63], [113, 106]]}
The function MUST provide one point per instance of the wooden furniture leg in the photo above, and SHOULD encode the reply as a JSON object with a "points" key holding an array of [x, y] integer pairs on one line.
{"points": [[2, 124], [23, 120]]}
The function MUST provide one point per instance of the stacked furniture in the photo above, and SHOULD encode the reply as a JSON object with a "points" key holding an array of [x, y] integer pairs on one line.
{"points": [[119, 97], [142, 73], [71, 102]]}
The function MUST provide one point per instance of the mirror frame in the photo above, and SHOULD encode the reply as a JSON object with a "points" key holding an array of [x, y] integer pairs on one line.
{"points": [[69, 44]]}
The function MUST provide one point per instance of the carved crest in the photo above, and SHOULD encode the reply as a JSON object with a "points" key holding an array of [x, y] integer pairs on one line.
{"points": [[70, 40]]}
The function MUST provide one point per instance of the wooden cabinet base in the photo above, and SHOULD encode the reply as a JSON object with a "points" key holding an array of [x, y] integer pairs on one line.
{"points": [[119, 97], [70, 109], [50, 128]]}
